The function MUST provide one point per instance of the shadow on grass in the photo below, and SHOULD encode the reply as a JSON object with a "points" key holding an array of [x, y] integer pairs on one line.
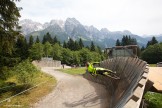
{"points": [[14, 89]]}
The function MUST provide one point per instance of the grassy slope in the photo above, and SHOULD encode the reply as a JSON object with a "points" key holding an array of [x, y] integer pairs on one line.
{"points": [[74, 71], [154, 100], [26, 99], [152, 65]]}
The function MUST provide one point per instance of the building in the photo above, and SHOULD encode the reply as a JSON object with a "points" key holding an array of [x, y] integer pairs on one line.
{"points": [[122, 51]]}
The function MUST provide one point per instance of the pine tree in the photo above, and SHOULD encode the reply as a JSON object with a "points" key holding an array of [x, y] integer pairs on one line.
{"points": [[81, 45], [123, 41], [37, 40], [21, 48], [9, 27], [99, 50], [143, 48], [31, 41], [71, 44], [92, 48], [47, 38], [127, 40], [55, 40], [152, 42], [118, 42], [65, 45], [76, 46]]}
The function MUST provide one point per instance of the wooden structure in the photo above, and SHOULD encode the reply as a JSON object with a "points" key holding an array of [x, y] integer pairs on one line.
{"points": [[47, 62], [128, 90], [122, 51]]}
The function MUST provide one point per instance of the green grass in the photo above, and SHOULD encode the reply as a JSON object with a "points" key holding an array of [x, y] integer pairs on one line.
{"points": [[27, 99], [154, 100], [152, 65], [74, 71]]}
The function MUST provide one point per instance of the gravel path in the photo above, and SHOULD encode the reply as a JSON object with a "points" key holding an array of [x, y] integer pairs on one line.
{"points": [[73, 91]]}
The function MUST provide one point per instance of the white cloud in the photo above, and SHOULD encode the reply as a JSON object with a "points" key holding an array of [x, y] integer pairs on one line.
{"points": [[139, 16]]}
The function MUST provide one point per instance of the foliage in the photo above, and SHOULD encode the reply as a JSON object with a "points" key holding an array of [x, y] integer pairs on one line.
{"points": [[126, 40], [152, 42], [71, 52], [92, 47], [36, 51], [37, 40], [57, 52], [85, 56], [21, 48], [71, 44], [47, 84], [76, 57], [47, 49], [152, 54], [9, 28], [153, 100], [31, 41], [118, 42], [25, 72], [65, 45], [47, 38], [81, 45], [9, 31], [55, 40], [66, 56]]}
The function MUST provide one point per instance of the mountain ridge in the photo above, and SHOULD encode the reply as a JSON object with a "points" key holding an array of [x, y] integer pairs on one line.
{"points": [[72, 28]]}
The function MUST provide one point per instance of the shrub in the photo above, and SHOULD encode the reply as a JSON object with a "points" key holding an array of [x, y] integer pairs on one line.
{"points": [[25, 72]]}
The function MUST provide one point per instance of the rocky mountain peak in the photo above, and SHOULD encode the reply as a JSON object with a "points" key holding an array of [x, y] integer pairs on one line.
{"points": [[127, 32], [104, 30], [72, 21], [29, 26], [58, 22]]}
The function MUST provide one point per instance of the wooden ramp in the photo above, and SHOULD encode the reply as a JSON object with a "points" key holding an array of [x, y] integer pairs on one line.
{"points": [[155, 75], [128, 90]]}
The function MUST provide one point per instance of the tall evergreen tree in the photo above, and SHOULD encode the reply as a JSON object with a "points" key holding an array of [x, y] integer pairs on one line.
{"points": [[9, 28], [76, 46], [152, 42], [143, 48], [36, 51], [37, 40], [127, 40], [47, 49], [31, 41], [71, 44], [99, 50], [22, 48], [47, 38], [55, 40], [118, 42], [81, 45], [92, 48], [65, 45]]}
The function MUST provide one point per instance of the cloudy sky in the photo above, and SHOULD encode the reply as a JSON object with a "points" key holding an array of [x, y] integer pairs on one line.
{"points": [[138, 16]]}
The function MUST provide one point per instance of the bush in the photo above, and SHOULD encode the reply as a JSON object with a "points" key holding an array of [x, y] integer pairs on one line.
{"points": [[153, 100], [152, 54], [25, 72]]}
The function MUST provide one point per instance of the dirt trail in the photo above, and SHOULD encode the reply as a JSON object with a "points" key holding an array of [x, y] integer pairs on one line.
{"points": [[73, 91]]}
